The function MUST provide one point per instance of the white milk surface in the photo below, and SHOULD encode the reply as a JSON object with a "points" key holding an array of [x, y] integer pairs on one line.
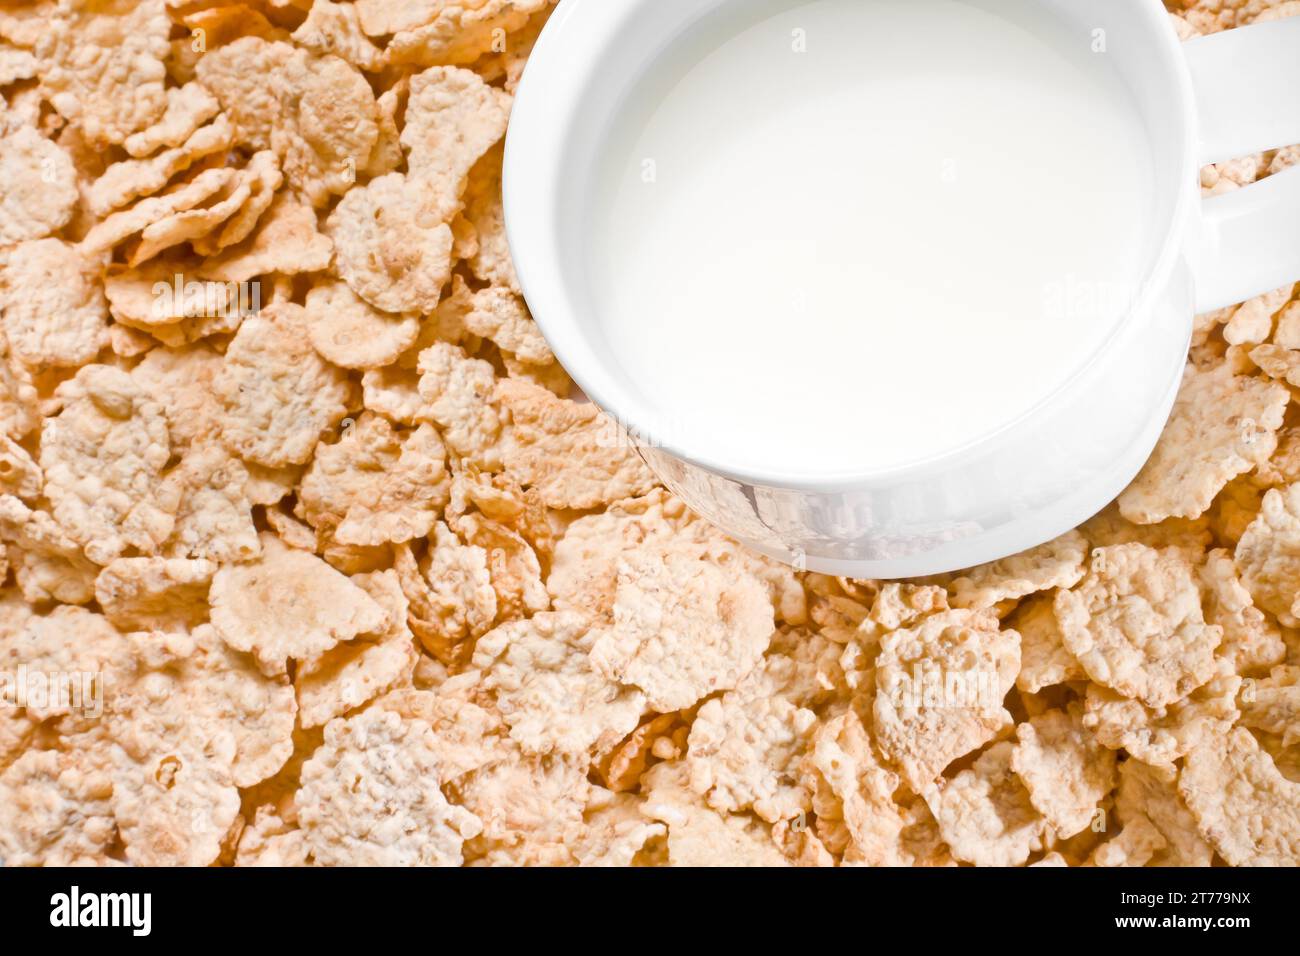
{"points": [[876, 249]]}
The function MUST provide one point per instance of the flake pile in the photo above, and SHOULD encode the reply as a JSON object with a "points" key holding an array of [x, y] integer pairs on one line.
{"points": [[311, 554]]}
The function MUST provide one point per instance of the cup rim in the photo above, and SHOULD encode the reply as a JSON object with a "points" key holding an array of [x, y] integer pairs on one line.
{"points": [[546, 105]]}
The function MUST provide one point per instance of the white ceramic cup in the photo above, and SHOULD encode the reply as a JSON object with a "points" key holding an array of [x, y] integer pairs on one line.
{"points": [[1207, 100]]}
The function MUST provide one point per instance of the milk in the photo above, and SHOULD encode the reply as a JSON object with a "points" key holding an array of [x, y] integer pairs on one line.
{"points": [[855, 234]]}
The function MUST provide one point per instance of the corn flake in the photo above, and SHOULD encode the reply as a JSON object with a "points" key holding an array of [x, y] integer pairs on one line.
{"points": [[145, 297], [68, 641], [1135, 624], [939, 690], [336, 28], [1108, 527], [1058, 563], [48, 564], [501, 316], [1044, 661], [188, 108], [350, 674], [40, 186], [53, 306], [261, 177], [289, 604], [16, 65], [452, 119], [370, 797], [1065, 771], [181, 381], [460, 32], [985, 813], [222, 689], [19, 399], [745, 747], [376, 485], [214, 517], [394, 392], [457, 391], [852, 794], [154, 593], [1158, 736], [174, 795], [278, 396], [452, 598], [270, 841], [1243, 806], [682, 628], [20, 476], [1151, 792], [662, 736], [102, 65], [547, 689], [103, 458], [393, 248], [54, 810], [133, 178], [286, 241], [485, 215], [316, 112], [191, 225], [1272, 704], [584, 571], [1222, 425], [513, 565], [1268, 555], [469, 731], [699, 835], [1135, 845], [615, 832], [531, 808], [349, 332], [572, 453], [1250, 640], [177, 199]]}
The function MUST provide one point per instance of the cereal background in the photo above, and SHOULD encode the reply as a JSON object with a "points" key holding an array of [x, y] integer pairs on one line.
{"points": [[309, 558]]}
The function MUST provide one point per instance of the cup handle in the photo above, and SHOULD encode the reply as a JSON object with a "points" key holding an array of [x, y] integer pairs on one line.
{"points": [[1247, 85]]}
